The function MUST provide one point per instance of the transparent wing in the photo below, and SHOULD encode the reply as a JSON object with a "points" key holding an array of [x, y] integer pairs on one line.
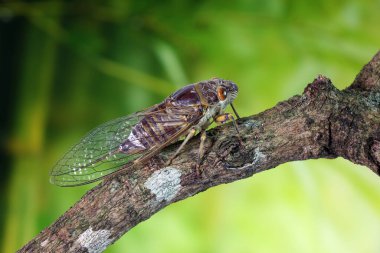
{"points": [[97, 154]]}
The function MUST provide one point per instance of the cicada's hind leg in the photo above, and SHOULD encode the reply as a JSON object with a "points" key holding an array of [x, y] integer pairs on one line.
{"points": [[201, 152], [188, 137]]}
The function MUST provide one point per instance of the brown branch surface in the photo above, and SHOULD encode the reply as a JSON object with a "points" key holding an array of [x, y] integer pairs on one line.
{"points": [[323, 122]]}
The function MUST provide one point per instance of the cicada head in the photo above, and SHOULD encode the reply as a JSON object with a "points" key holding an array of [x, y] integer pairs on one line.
{"points": [[218, 92], [226, 91]]}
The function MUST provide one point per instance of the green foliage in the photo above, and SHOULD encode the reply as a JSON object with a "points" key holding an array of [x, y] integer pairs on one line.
{"points": [[82, 63]]}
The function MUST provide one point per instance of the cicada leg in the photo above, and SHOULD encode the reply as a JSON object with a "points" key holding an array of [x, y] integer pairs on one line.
{"points": [[188, 137], [223, 118], [201, 152]]}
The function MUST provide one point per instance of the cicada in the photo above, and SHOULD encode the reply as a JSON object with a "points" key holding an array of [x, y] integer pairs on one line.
{"points": [[123, 143]]}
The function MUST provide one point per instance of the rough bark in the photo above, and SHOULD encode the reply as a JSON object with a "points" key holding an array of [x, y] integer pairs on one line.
{"points": [[323, 122]]}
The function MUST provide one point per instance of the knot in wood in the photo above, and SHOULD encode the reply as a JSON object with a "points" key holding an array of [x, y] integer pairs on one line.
{"points": [[232, 153], [229, 147], [320, 85]]}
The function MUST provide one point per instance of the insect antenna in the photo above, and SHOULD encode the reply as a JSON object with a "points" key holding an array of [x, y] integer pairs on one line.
{"points": [[233, 108], [235, 124], [237, 129]]}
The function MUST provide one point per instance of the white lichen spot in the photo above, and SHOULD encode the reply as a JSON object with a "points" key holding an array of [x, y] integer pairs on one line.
{"points": [[258, 157], [250, 124], [164, 183], [95, 241], [44, 243], [114, 186]]}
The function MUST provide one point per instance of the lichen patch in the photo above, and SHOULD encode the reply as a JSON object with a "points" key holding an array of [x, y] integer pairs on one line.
{"points": [[250, 124], [114, 186], [95, 241], [258, 156], [164, 183], [44, 243]]}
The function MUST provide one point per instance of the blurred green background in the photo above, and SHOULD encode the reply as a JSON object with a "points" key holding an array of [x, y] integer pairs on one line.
{"points": [[68, 66]]}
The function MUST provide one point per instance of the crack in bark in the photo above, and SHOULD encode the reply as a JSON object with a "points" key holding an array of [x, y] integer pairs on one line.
{"points": [[330, 137]]}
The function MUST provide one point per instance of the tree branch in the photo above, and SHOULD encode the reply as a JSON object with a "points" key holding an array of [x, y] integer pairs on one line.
{"points": [[323, 122]]}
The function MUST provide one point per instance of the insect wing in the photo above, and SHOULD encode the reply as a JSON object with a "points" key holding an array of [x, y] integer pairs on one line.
{"points": [[96, 155]]}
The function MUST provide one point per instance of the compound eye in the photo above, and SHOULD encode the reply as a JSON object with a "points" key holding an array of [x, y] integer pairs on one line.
{"points": [[222, 94]]}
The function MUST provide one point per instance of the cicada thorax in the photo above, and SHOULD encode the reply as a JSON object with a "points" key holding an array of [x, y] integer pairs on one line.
{"points": [[207, 92], [158, 126]]}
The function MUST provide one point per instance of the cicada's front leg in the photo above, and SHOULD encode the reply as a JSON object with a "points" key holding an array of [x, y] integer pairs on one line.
{"points": [[223, 118]]}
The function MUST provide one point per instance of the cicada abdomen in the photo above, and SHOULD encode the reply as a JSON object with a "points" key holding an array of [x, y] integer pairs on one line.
{"points": [[127, 141], [159, 125]]}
